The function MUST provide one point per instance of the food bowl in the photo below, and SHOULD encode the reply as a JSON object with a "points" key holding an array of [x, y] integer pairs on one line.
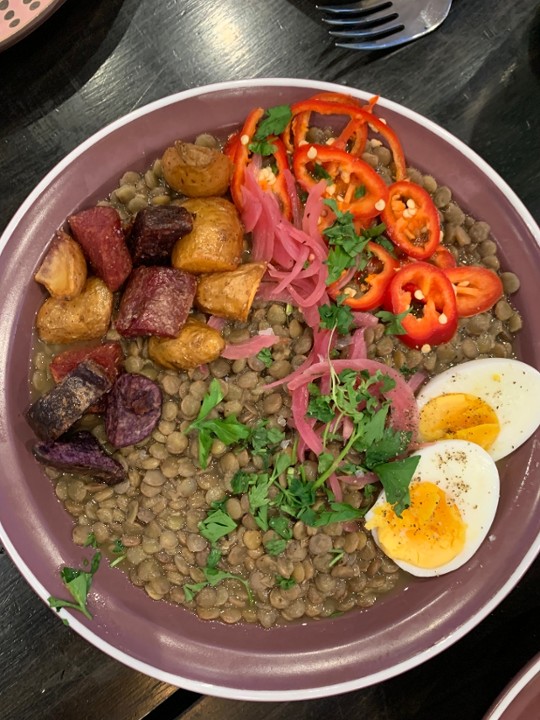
{"points": [[302, 660]]}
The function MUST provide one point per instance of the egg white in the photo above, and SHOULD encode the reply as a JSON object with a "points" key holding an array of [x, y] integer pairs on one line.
{"points": [[469, 477], [510, 387]]}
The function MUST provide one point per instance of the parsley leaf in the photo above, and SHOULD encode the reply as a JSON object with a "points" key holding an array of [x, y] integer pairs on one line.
{"points": [[345, 245], [319, 173], [359, 192], [285, 583], [265, 356], [336, 316], [265, 439], [392, 322], [275, 546], [78, 582], [319, 406], [339, 512], [229, 430], [262, 147], [274, 122], [216, 525], [395, 478]]}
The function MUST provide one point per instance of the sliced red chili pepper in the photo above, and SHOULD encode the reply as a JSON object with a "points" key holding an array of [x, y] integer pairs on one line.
{"points": [[356, 187], [231, 145], [443, 258], [368, 285], [477, 288], [354, 112], [428, 295], [240, 153], [411, 219]]}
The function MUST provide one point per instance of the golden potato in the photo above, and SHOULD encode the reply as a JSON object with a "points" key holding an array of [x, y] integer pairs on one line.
{"points": [[230, 294], [196, 345], [63, 269], [86, 317], [216, 241], [195, 170]]}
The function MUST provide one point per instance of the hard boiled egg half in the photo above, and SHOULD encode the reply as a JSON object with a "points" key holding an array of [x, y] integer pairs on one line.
{"points": [[454, 495], [494, 402]]}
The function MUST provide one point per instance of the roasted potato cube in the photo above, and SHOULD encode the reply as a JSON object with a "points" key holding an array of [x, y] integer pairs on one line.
{"points": [[196, 345], [85, 317], [216, 241], [195, 170], [230, 294], [63, 269]]}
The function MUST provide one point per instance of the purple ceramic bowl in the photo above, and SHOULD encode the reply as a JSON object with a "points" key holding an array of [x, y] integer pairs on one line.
{"points": [[305, 660]]}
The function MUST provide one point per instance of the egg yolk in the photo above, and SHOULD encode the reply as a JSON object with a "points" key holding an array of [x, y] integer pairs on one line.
{"points": [[459, 416], [429, 533]]}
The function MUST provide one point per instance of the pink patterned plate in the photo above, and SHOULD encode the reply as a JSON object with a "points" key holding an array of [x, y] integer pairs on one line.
{"points": [[18, 18], [520, 700]]}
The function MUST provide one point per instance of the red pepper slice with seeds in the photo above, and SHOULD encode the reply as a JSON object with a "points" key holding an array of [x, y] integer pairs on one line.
{"points": [[412, 220], [354, 184], [477, 288], [428, 295], [271, 179], [366, 289], [298, 127]]}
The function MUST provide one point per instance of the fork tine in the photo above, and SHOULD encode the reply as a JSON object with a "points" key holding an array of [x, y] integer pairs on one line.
{"points": [[368, 34], [364, 6], [382, 41], [366, 21]]}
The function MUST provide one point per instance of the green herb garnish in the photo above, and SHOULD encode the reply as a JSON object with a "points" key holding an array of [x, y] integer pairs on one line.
{"points": [[78, 582], [339, 317], [216, 525], [229, 430], [265, 356], [392, 321], [274, 122]]}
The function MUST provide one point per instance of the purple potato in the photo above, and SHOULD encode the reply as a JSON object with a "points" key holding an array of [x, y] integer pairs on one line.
{"points": [[155, 231], [81, 453], [56, 411], [133, 410]]}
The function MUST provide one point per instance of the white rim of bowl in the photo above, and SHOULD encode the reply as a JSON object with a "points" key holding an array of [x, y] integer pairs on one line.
{"points": [[309, 692]]}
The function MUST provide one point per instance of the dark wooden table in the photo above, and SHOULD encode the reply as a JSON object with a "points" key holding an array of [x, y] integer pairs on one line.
{"points": [[478, 76]]}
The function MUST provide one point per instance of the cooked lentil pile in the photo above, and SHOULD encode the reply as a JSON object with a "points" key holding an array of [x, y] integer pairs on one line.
{"points": [[156, 513]]}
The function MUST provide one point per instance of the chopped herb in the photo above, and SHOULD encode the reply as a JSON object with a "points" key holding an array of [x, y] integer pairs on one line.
{"points": [[265, 356], [285, 583], [319, 406], [319, 173], [345, 245], [385, 243], [275, 547], [339, 317], [213, 576], [229, 430], [338, 555], [274, 122], [339, 512], [264, 439], [120, 550], [216, 525], [359, 192], [395, 478], [369, 491], [91, 541], [78, 582], [392, 322], [262, 147]]}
